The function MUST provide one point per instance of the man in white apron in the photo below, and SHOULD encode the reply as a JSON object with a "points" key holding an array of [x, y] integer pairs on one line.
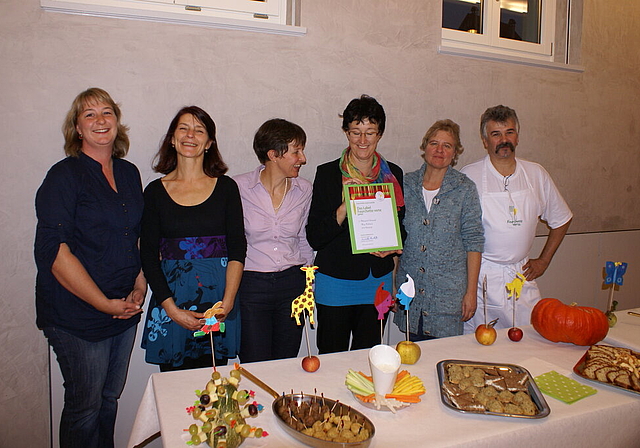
{"points": [[514, 194]]}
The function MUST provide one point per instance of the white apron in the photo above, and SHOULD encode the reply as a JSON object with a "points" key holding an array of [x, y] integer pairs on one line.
{"points": [[509, 220]]}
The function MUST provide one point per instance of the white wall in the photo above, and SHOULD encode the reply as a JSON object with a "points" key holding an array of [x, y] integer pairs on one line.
{"points": [[386, 48], [576, 273]]}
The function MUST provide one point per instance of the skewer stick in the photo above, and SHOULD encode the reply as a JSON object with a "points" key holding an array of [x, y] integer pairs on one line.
{"points": [[306, 335], [484, 298], [514, 312], [406, 315], [213, 351]]}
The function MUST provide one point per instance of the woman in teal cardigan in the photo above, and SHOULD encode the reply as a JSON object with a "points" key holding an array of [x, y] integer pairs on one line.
{"points": [[445, 239]]}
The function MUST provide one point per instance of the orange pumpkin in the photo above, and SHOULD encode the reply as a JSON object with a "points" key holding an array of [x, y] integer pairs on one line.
{"points": [[580, 325]]}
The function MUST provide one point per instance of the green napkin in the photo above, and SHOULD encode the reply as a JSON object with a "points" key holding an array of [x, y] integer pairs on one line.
{"points": [[562, 388]]}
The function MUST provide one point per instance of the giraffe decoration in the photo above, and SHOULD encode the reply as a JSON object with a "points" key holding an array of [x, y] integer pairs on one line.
{"points": [[305, 301]]}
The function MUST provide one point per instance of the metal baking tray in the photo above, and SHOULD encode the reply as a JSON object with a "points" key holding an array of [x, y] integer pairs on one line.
{"points": [[532, 388], [578, 369]]}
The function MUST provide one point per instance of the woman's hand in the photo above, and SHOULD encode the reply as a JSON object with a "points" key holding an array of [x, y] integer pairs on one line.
{"points": [[469, 305], [187, 319], [227, 306], [233, 278], [72, 275], [120, 308], [341, 212], [384, 253], [136, 296], [191, 320], [135, 299]]}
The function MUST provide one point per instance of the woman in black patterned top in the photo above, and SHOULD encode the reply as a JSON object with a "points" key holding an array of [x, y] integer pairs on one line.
{"points": [[192, 247]]}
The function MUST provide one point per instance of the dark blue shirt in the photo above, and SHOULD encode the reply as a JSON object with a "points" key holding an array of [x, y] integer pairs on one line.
{"points": [[76, 205]]}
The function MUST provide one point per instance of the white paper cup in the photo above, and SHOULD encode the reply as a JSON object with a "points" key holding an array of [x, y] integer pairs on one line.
{"points": [[384, 361]]}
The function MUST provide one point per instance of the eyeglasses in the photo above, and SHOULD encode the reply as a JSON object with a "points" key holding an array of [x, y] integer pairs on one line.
{"points": [[369, 135]]}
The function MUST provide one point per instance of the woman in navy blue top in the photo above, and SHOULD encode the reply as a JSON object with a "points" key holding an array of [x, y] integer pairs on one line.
{"points": [[90, 287]]}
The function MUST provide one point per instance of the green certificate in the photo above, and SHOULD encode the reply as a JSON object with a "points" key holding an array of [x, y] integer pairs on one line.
{"points": [[373, 218]]}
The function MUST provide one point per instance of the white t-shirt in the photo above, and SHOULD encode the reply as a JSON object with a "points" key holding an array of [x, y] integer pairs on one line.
{"points": [[428, 196], [530, 179], [555, 210]]}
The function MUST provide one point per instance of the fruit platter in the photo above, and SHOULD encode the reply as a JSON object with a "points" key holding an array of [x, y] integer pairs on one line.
{"points": [[406, 390], [505, 390], [222, 412]]}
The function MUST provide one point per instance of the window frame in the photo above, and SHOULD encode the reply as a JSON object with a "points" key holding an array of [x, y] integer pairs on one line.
{"points": [[267, 16], [490, 42]]}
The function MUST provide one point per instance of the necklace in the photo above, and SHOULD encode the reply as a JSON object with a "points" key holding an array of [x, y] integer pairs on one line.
{"points": [[506, 182], [286, 187]]}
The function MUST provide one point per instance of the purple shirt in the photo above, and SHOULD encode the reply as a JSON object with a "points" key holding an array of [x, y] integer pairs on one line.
{"points": [[275, 241]]}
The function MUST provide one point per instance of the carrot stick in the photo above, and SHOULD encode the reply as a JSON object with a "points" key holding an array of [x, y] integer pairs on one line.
{"points": [[402, 374], [366, 398], [370, 378]]}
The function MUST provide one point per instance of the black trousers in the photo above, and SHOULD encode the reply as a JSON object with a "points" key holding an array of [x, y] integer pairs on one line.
{"points": [[338, 324], [268, 330]]}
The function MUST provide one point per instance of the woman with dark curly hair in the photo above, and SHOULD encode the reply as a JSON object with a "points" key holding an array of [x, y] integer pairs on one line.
{"points": [[192, 246]]}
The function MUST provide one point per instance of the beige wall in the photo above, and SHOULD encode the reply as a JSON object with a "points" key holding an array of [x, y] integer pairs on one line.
{"points": [[573, 123]]}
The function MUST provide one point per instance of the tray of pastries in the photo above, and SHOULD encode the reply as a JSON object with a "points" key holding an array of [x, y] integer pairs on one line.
{"points": [[614, 366], [505, 390]]}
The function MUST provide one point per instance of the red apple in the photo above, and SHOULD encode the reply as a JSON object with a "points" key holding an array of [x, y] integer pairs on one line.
{"points": [[486, 334], [515, 334], [310, 363]]}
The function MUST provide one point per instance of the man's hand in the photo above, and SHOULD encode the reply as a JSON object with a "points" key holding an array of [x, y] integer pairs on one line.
{"points": [[534, 268]]}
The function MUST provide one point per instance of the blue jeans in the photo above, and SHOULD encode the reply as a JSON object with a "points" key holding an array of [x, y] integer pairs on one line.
{"points": [[94, 375]]}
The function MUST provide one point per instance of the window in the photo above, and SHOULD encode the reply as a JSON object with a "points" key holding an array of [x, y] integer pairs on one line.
{"points": [[511, 28], [270, 16]]}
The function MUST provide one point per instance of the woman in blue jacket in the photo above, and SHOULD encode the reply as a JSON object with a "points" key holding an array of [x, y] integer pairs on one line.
{"points": [[90, 287], [445, 239]]}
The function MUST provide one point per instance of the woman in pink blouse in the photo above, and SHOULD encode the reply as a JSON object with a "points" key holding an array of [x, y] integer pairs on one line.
{"points": [[276, 205]]}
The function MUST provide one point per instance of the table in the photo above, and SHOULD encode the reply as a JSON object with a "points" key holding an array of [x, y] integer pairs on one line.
{"points": [[626, 332], [608, 418]]}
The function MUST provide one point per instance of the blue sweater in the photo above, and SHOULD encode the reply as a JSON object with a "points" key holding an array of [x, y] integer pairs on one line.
{"points": [[435, 252]]}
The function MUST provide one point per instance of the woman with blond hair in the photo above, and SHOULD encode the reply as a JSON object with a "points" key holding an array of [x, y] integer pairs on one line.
{"points": [[90, 288], [445, 239]]}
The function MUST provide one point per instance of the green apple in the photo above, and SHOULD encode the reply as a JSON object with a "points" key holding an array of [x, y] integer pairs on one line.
{"points": [[409, 352]]}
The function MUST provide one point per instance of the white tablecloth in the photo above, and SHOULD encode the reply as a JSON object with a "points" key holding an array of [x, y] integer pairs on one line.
{"points": [[626, 332], [608, 418]]}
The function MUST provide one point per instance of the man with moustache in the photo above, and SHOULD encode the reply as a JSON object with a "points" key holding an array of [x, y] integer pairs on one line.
{"points": [[514, 194]]}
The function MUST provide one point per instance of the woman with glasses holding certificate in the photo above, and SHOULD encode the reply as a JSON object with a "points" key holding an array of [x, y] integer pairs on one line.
{"points": [[346, 283]]}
